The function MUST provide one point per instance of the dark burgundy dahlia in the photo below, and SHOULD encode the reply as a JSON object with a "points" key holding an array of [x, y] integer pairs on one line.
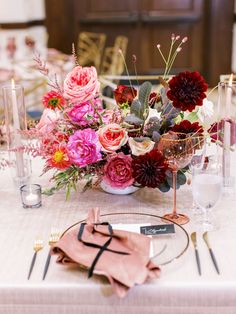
{"points": [[150, 169], [187, 90], [187, 127]]}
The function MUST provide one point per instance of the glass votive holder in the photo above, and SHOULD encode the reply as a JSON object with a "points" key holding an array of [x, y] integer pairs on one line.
{"points": [[31, 195]]}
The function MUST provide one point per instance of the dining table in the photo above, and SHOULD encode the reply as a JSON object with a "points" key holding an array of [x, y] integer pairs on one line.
{"points": [[67, 289]]}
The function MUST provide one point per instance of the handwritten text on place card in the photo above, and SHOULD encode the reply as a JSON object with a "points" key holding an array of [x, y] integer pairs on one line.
{"points": [[157, 229]]}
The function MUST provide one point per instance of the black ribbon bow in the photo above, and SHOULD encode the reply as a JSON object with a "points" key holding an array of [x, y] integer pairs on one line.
{"points": [[102, 248]]}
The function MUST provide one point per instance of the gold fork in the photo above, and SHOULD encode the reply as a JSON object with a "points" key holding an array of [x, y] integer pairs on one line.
{"points": [[38, 245], [54, 237]]}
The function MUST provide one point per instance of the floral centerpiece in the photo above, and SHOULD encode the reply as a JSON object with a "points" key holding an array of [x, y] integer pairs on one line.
{"points": [[80, 138]]}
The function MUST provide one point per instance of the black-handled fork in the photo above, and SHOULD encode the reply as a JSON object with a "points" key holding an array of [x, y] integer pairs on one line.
{"points": [[54, 237], [38, 245]]}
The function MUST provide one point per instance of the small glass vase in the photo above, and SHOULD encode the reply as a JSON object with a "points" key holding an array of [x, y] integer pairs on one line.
{"points": [[15, 122]]}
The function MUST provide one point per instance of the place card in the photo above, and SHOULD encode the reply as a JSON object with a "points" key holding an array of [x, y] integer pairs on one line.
{"points": [[157, 229], [129, 227], [134, 228]]}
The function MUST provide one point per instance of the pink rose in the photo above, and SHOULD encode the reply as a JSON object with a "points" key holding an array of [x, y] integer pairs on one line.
{"points": [[118, 171], [48, 120], [81, 84], [112, 137]]}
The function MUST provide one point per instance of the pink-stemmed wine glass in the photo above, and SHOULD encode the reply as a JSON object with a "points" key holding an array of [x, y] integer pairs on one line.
{"points": [[178, 149]]}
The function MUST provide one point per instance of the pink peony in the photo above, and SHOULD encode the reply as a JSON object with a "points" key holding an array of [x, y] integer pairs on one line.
{"points": [[112, 137], [81, 84], [86, 113], [118, 171], [48, 120], [84, 147]]}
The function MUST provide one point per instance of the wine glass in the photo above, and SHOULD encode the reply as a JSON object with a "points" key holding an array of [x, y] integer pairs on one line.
{"points": [[207, 188], [200, 155], [178, 149]]}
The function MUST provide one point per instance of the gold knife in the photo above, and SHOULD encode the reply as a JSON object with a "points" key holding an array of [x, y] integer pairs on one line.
{"points": [[194, 240], [205, 238]]}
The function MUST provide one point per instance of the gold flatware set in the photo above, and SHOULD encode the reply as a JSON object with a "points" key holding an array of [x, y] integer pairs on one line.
{"points": [[38, 245], [193, 237]]}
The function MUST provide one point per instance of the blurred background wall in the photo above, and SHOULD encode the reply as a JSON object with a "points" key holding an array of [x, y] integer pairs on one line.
{"points": [[209, 25]]}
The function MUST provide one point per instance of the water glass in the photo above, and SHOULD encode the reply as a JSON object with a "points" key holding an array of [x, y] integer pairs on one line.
{"points": [[207, 186]]}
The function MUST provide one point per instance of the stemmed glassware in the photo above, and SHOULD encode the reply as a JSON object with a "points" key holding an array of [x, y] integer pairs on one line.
{"points": [[178, 149], [200, 156], [207, 188]]}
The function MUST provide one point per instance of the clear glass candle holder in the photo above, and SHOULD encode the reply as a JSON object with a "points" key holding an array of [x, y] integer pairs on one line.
{"points": [[31, 195], [16, 124], [226, 130]]}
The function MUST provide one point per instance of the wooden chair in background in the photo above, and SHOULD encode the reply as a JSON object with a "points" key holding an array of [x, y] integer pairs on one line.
{"points": [[113, 63], [90, 49]]}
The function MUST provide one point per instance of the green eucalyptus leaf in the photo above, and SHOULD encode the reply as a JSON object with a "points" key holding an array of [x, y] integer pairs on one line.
{"points": [[156, 136], [144, 92], [164, 187], [164, 98], [169, 111], [152, 126], [136, 108], [180, 180], [133, 120]]}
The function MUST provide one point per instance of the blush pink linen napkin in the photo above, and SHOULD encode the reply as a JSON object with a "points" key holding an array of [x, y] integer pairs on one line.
{"points": [[122, 271]]}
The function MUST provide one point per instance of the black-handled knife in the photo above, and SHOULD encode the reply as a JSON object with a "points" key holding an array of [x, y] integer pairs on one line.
{"points": [[205, 238], [194, 240]]}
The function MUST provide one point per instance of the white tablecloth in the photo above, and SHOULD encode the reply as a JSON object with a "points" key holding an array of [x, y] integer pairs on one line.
{"points": [[179, 289]]}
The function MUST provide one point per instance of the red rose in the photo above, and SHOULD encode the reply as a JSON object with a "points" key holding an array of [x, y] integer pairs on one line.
{"points": [[124, 94], [118, 172]]}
